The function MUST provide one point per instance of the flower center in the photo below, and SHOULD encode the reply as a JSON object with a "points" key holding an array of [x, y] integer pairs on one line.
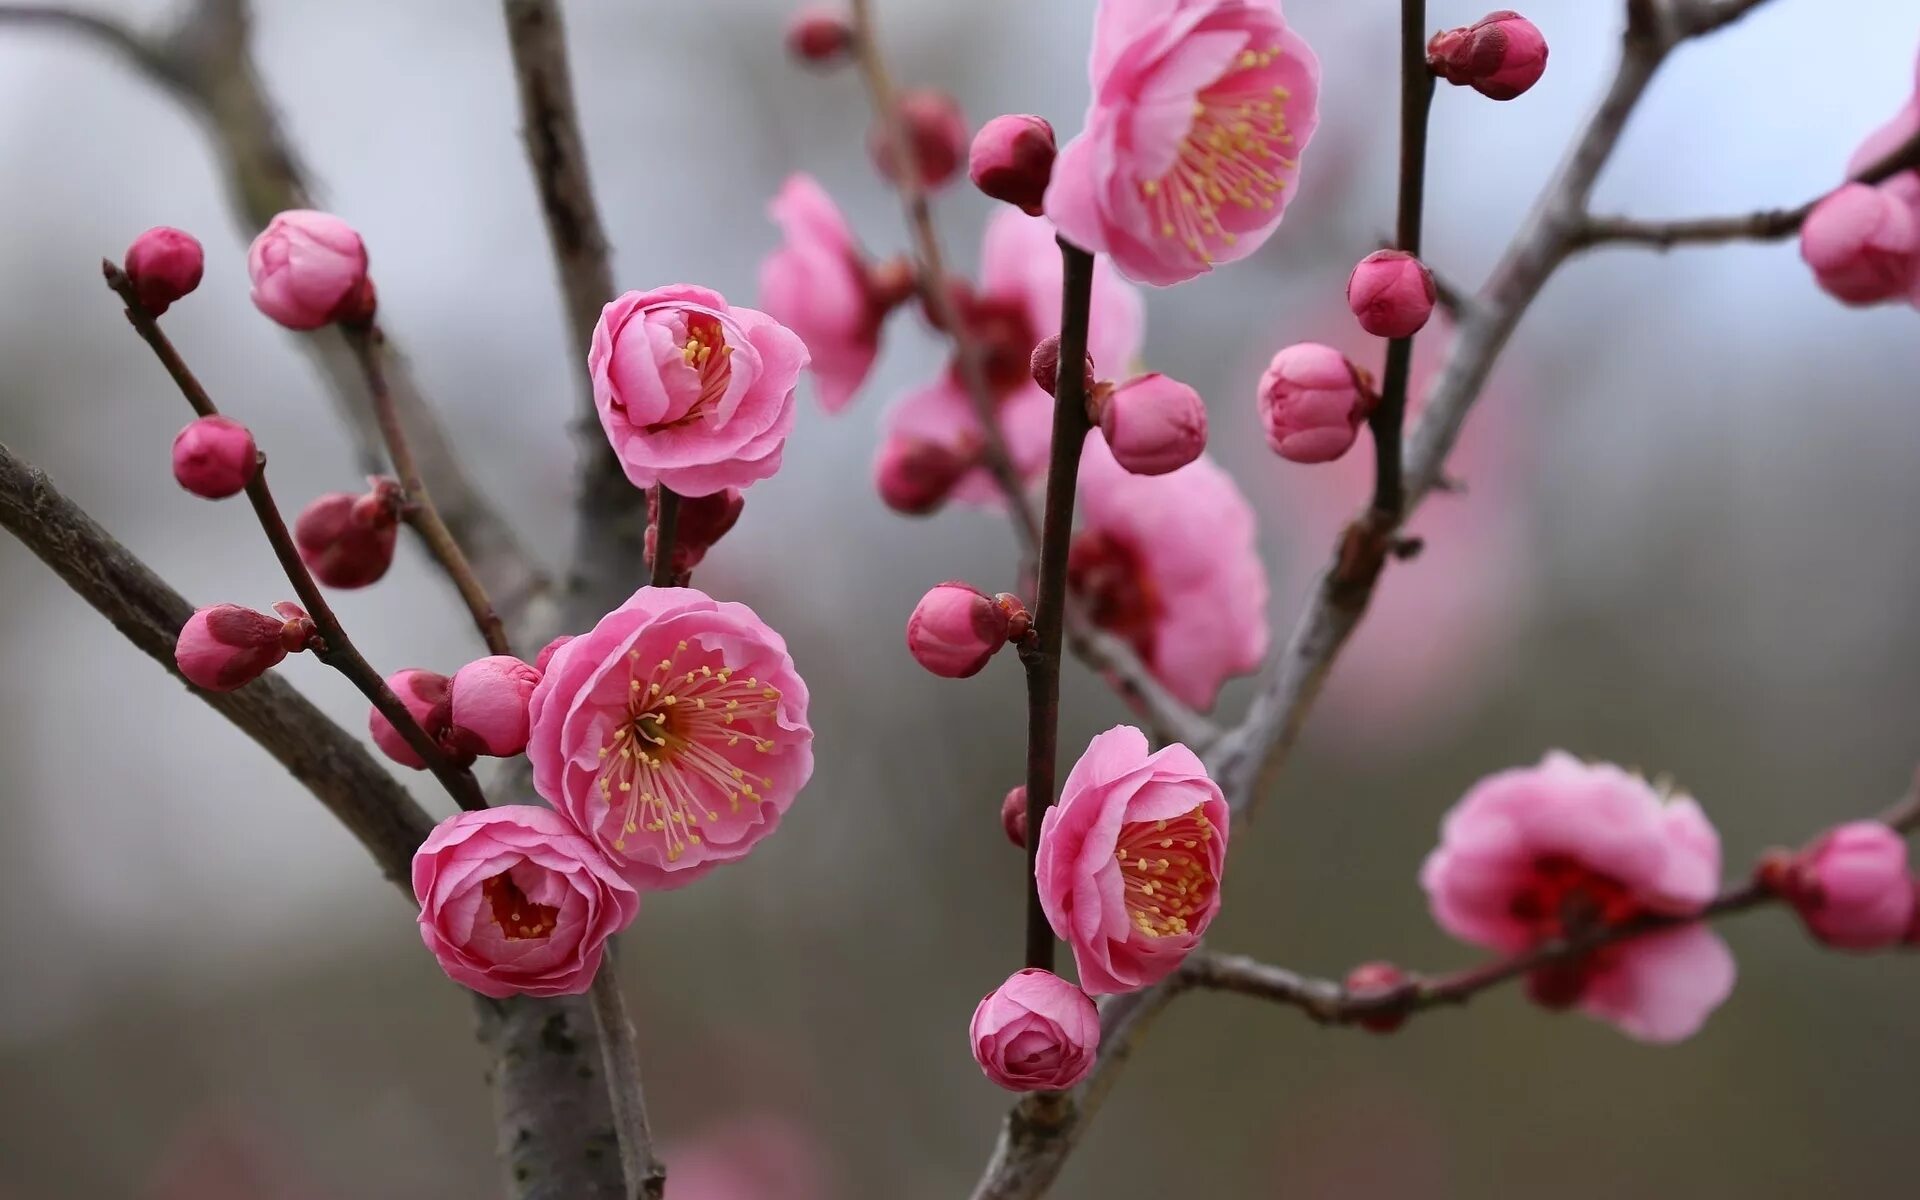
{"points": [[1230, 156], [518, 917], [1168, 878], [706, 352], [668, 767], [1111, 579], [1564, 898]]}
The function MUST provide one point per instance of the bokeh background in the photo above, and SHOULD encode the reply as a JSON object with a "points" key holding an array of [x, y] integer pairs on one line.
{"points": [[1688, 545]]}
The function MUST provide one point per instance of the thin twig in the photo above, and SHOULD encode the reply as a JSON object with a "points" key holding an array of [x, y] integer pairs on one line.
{"points": [[369, 346], [931, 272], [666, 524], [335, 648], [1041, 652], [1330, 1003], [326, 759], [645, 1175], [1766, 225], [205, 60], [1167, 717], [1416, 98]]}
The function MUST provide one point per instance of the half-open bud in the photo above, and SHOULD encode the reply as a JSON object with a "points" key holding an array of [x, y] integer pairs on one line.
{"points": [[489, 699], [1313, 402], [1500, 56], [427, 695], [225, 646], [310, 269], [347, 540], [1152, 424], [955, 629]]}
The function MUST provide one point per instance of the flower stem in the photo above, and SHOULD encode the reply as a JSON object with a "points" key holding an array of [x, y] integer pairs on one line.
{"points": [[336, 650], [1041, 655], [369, 345], [1416, 98], [666, 522]]}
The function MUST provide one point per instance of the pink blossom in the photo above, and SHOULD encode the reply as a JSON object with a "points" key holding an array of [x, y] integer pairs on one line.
{"points": [[1130, 860], [164, 264], [225, 646], [955, 630], [214, 457], [427, 696], [1391, 293], [1191, 150], [693, 392], [1863, 244], [1313, 401], [310, 269], [1500, 56], [1016, 307], [1536, 854], [1153, 424], [1011, 160], [1851, 886], [674, 734], [1035, 1033], [489, 698], [514, 902], [760, 1156], [817, 285], [936, 135], [1169, 563], [347, 541]]}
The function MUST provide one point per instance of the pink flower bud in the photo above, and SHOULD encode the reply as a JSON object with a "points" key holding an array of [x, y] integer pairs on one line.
{"points": [[1851, 886], [489, 699], [1035, 1033], [1500, 56], [1013, 816], [1313, 402], [955, 629], [347, 541], [703, 520], [1372, 978], [1863, 244], [226, 646], [915, 477], [1392, 294], [428, 696], [1153, 424], [1045, 365], [819, 36], [936, 133], [215, 457], [164, 264], [310, 269], [549, 650], [1012, 160]]}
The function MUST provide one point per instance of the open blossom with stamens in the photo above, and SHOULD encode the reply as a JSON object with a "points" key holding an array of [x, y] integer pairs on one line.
{"points": [[513, 901], [1537, 854], [1169, 563], [1016, 306], [1191, 150], [674, 734], [1130, 860], [694, 392]]}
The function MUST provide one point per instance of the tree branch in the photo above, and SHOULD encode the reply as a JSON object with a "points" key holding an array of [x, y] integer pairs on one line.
{"points": [[369, 347], [206, 62], [335, 648], [326, 759], [1766, 225]]}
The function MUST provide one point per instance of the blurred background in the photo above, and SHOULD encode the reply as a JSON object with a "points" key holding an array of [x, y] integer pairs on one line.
{"points": [[1687, 546]]}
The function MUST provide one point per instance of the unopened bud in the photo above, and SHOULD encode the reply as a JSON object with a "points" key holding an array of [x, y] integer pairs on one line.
{"points": [[1011, 159], [1044, 363], [1013, 816], [1500, 56], [214, 457], [1391, 293], [955, 629], [820, 36], [1152, 424], [164, 264], [348, 540], [936, 135]]}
